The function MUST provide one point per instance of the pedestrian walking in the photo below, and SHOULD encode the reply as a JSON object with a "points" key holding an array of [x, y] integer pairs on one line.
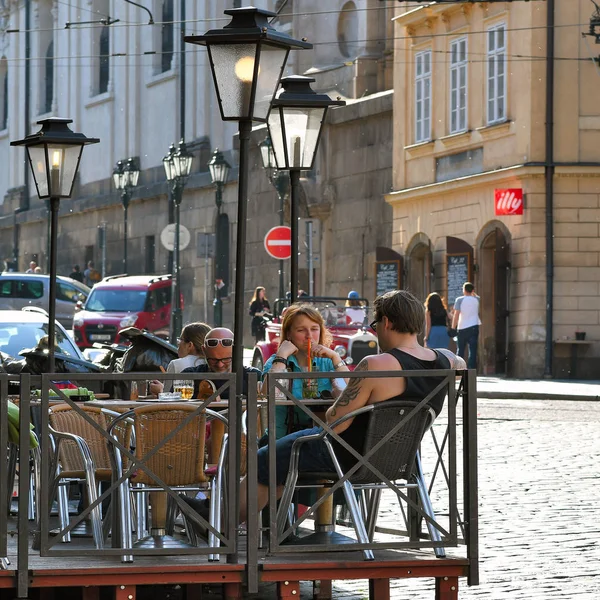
{"points": [[32, 267], [76, 274], [259, 307], [91, 275], [436, 322], [466, 321]]}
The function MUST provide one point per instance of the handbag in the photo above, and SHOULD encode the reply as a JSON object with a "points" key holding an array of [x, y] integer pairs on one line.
{"points": [[452, 332]]}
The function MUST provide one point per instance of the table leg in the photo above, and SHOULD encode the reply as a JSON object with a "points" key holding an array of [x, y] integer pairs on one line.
{"points": [[324, 520], [158, 504], [573, 361]]}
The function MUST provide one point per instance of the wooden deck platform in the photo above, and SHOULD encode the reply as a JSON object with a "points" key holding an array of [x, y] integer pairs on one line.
{"points": [[90, 571]]}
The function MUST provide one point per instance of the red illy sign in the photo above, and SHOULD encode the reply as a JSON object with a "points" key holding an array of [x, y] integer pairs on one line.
{"points": [[278, 242], [509, 202]]}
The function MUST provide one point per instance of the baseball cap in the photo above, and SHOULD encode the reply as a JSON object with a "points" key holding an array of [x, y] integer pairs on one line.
{"points": [[353, 295]]}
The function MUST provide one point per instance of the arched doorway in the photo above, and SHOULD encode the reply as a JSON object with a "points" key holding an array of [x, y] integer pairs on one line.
{"points": [[419, 266], [494, 290]]}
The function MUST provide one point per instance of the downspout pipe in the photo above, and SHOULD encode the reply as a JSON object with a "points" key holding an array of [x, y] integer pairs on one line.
{"points": [[549, 177], [24, 204]]}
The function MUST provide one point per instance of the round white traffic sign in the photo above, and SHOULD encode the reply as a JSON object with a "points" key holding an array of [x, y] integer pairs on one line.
{"points": [[278, 242], [167, 237]]}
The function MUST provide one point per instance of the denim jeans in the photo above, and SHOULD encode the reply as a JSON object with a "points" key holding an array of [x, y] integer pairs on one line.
{"points": [[469, 337]]}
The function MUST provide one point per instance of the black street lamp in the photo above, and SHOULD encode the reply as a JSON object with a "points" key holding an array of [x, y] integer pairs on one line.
{"points": [[295, 124], [125, 178], [280, 180], [247, 58], [54, 153], [219, 172], [178, 165]]}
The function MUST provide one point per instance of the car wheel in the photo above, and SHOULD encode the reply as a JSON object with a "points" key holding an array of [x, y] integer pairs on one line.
{"points": [[257, 361]]}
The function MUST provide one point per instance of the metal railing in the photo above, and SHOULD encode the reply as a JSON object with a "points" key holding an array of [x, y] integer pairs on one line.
{"points": [[455, 525], [449, 480]]}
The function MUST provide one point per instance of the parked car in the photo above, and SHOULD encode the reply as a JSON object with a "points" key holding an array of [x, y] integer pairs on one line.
{"points": [[18, 290], [352, 341], [23, 329], [122, 301]]}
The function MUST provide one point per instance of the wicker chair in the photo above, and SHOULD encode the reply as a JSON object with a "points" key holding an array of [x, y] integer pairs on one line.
{"points": [[81, 454], [396, 459], [179, 463]]}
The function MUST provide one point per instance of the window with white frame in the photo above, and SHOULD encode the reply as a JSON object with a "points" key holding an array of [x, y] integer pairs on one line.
{"points": [[423, 96], [458, 85], [496, 74]]}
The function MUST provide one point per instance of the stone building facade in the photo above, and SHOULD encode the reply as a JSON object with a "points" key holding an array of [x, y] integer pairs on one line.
{"points": [[469, 119], [120, 81]]}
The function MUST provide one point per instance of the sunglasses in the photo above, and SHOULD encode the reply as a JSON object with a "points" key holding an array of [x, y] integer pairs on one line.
{"points": [[213, 342], [373, 325]]}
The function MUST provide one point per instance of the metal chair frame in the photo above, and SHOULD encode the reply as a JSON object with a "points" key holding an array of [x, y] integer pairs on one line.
{"points": [[364, 532]]}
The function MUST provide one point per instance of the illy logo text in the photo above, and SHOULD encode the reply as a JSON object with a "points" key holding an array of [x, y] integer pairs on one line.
{"points": [[509, 201]]}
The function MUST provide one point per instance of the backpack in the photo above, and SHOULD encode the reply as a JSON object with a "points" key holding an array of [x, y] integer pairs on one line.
{"points": [[94, 275]]}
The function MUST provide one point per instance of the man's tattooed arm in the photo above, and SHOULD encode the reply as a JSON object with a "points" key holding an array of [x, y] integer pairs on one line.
{"points": [[352, 390]]}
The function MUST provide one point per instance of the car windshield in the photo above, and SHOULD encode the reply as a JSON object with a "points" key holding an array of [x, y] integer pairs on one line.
{"points": [[15, 337], [345, 316], [119, 300]]}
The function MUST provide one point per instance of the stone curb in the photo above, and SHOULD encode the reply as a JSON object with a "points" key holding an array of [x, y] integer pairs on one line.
{"points": [[535, 396]]}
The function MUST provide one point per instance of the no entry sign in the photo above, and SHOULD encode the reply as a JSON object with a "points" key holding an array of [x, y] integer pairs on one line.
{"points": [[278, 242]]}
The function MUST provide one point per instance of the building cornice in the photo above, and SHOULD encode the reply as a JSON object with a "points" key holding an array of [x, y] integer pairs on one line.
{"points": [[433, 190]]}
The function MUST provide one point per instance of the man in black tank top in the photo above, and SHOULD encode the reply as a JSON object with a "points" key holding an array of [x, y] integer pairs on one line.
{"points": [[399, 318]]}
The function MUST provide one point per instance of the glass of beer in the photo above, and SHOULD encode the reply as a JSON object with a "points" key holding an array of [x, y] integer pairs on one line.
{"points": [[184, 387]]}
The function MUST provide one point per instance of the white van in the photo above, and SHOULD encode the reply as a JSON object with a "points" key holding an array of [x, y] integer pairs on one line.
{"points": [[18, 290]]}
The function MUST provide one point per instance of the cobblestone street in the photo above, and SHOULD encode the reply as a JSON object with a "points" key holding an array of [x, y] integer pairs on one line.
{"points": [[538, 485]]}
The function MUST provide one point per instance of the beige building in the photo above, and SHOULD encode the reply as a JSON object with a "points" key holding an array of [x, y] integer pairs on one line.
{"points": [[470, 118]]}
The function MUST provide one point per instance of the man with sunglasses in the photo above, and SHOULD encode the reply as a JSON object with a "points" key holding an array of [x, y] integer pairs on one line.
{"points": [[218, 351]]}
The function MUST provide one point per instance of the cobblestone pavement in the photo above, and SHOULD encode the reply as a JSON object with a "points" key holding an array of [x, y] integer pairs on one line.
{"points": [[538, 490]]}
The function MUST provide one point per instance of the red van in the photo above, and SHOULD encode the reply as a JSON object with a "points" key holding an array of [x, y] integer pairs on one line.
{"points": [[120, 301]]}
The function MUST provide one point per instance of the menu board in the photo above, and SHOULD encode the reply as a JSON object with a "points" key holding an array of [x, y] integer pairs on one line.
{"points": [[387, 276], [457, 273]]}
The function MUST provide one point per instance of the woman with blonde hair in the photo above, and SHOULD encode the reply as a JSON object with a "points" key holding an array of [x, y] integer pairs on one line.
{"points": [[302, 329], [436, 322]]}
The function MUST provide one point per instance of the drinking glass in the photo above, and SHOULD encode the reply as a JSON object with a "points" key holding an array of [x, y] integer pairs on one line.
{"points": [[185, 387], [310, 387]]}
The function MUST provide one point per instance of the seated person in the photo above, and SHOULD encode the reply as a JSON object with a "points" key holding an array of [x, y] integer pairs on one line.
{"points": [[399, 319], [355, 311], [190, 353], [302, 323], [218, 351]]}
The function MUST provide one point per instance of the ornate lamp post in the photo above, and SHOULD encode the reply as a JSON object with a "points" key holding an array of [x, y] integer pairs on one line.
{"points": [[219, 172], [178, 165], [54, 153], [280, 180], [295, 124], [125, 178], [247, 58]]}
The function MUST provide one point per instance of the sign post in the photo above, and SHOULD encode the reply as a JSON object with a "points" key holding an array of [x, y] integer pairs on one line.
{"points": [[278, 242]]}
